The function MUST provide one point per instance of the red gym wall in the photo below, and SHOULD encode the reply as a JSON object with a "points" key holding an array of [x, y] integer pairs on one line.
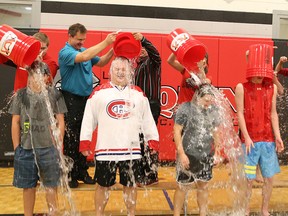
{"points": [[227, 67]]}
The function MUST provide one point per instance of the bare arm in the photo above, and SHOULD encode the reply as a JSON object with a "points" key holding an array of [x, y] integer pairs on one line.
{"points": [[275, 123], [175, 63], [239, 99], [179, 146], [15, 130], [279, 66], [280, 88], [61, 125], [96, 49], [105, 58]]}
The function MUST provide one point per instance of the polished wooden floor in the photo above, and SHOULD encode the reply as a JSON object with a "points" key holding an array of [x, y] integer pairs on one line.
{"points": [[153, 200]]}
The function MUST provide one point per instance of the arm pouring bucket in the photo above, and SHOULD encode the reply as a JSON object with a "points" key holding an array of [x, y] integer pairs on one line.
{"points": [[260, 61], [18, 47], [188, 50]]}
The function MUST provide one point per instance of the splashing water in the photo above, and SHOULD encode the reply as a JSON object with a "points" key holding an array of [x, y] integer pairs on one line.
{"points": [[65, 163], [228, 152]]}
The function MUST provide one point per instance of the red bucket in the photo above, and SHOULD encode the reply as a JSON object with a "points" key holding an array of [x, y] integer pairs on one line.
{"points": [[126, 46], [188, 50], [260, 61], [18, 47], [3, 59]]}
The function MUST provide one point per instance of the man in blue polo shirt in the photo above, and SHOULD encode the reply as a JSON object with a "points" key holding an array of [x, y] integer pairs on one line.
{"points": [[75, 63]]}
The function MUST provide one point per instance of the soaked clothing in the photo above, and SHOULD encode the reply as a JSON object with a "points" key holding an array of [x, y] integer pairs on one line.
{"points": [[121, 115], [200, 170], [198, 125], [129, 172], [264, 154], [39, 158], [26, 171], [34, 114], [257, 111], [197, 139]]}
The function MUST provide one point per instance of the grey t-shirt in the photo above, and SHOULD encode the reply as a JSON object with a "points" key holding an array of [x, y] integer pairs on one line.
{"points": [[35, 124], [198, 125]]}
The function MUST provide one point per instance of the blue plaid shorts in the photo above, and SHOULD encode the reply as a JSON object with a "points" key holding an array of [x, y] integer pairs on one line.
{"points": [[27, 172]]}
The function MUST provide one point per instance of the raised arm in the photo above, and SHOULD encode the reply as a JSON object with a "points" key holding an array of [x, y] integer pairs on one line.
{"points": [[152, 52], [96, 49], [172, 60]]}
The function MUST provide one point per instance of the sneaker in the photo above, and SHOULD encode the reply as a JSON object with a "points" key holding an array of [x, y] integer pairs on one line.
{"points": [[87, 180], [73, 183]]}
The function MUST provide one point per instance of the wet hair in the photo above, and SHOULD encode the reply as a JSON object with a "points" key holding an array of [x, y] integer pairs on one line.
{"points": [[77, 27], [204, 90], [120, 59], [39, 67], [42, 37]]}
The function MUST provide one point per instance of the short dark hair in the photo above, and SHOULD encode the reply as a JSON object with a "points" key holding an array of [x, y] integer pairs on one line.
{"points": [[77, 27]]}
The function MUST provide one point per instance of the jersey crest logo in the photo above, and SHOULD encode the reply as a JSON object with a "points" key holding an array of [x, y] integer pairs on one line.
{"points": [[119, 109]]}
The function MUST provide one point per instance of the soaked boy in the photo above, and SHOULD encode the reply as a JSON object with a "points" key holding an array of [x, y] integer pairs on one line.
{"points": [[36, 155], [195, 131]]}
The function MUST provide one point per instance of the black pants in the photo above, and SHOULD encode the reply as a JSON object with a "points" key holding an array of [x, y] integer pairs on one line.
{"points": [[150, 161], [73, 119]]}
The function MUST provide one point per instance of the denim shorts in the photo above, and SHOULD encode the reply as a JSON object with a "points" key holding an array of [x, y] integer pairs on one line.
{"points": [[28, 170], [264, 154]]}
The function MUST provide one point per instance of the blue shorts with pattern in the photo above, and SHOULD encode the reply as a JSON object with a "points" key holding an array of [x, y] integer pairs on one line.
{"points": [[26, 172], [264, 154]]}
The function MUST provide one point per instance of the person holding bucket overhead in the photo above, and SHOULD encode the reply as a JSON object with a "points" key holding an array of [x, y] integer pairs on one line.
{"points": [[190, 58], [148, 78], [21, 75], [75, 63]]}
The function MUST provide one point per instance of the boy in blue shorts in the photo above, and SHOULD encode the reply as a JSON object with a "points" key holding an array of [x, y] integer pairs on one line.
{"points": [[258, 122], [36, 155]]}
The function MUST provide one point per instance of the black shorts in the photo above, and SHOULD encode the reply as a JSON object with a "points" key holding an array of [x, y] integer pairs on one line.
{"points": [[200, 169], [129, 170]]}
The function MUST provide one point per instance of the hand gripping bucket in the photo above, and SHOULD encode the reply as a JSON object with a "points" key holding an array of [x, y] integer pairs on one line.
{"points": [[126, 46], [260, 61], [188, 50], [18, 47]]}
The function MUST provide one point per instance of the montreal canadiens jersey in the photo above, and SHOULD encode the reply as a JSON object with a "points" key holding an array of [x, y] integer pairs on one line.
{"points": [[120, 115]]}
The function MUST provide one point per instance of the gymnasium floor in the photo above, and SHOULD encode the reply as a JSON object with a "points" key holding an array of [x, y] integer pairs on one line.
{"points": [[153, 200]]}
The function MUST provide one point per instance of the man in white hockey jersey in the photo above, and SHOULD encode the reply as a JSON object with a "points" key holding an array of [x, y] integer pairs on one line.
{"points": [[121, 111]]}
